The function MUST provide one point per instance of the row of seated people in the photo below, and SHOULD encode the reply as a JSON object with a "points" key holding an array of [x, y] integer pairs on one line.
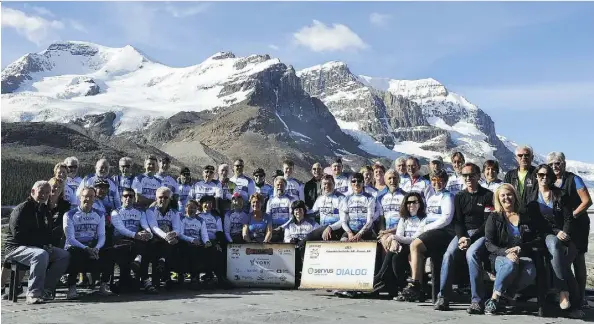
{"points": [[161, 236]]}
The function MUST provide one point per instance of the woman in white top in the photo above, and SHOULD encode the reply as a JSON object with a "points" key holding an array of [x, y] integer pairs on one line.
{"points": [[393, 272]]}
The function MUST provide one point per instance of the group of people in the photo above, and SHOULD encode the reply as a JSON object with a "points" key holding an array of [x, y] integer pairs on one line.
{"points": [[77, 225]]}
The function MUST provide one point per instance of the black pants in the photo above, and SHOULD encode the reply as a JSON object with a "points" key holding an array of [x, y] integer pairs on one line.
{"points": [[394, 269], [367, 236], [191, 259], [124, 252], [80, 261], [156, 249]]}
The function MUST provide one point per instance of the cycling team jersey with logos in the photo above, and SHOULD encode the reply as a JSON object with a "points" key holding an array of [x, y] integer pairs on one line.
{"points": [[193, 228], [440, 210], [162, 224], [89, 181], [234, 221], [358, 212], [146, 186], [389, 203], [299, 231], [123, 182], [184, 195], [246, 187], [128, 221], [409, 229], [491, 185], [420, 185], [213, 224], [167, 181], [329, 206], [455, 184], [70, 193], [279, 210], [265, 190], [294, 189], [82, 228], [342, 184], [257, 228], [202, 188]]}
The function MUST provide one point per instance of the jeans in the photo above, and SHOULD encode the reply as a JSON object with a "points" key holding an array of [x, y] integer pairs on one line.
{"points": [[40, 276], [511, 277], [474, 256], [561, 258]]}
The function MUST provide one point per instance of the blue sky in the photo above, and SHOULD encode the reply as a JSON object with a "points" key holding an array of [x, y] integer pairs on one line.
{"points": [[528, 65]]}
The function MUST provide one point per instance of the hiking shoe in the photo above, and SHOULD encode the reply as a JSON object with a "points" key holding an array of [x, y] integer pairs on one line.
{"points": [[34, 300], [149, 288], [72, 293], [48, 295], [412, 293], [491, 307], [441, 304], [104, 289], [475, 308]]}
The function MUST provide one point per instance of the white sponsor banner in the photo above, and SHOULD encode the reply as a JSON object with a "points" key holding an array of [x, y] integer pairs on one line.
{"points": [[261, 265], [339, 265]]}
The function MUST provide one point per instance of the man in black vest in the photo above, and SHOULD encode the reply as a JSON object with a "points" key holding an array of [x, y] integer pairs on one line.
{"points": [[312, 189], [523, 178]]}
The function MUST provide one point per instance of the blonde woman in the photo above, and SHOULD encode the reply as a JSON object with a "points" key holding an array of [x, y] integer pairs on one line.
{"points": [[510, 236], [58, 206]]}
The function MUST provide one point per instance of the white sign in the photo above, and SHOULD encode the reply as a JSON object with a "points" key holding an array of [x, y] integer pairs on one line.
{"points": [[339, 265], [261, 265]]}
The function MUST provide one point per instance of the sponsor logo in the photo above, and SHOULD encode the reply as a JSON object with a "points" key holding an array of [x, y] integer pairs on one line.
{"points": [[351, 272], [250, 251], [264, 263], [260, 278], [237, 278], [314, 253], [283, 278], [320, 271]]}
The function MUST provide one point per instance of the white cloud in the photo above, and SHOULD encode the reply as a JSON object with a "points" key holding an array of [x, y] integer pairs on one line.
{"points": [[273, 47], [35, 28], [546, 96], [379, 19], [178, 11], [77, 25], [321, 38], [40, 10]]}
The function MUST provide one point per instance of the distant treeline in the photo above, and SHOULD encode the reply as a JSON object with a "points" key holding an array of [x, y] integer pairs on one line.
{"points": [[18, 176]]}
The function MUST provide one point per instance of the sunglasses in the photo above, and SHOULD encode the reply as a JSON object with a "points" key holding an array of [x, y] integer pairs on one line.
{"points": [[555, 164], [238, 165], [414, 202], [128, 196], [467, 175], [315, 169], [356, 181], [124, 166], [258, 175], [523, 155], [209, 171], [72, 166], [541, 175]]}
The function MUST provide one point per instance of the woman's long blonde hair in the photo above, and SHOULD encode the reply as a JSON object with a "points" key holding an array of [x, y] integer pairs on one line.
{"points": [[60, 183], [497, 203]]}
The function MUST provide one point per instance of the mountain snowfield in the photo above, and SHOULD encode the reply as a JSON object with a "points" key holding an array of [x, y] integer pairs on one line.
{"points": [[72, 79]]}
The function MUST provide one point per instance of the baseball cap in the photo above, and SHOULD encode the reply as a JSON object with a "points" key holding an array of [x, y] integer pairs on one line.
{"points": [[209, 167], [259, 171], [185, 170], [279, 173], [437, 158], [235, 195], [101, 182]]}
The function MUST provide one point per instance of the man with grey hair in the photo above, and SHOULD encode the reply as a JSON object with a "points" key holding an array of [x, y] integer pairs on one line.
{"points": [[579, 201], [523, 178], [102, 172], [72, 181], [400, 167], [28, 242], [125, 178]]}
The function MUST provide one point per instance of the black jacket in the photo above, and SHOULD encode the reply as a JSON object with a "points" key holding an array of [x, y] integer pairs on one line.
{"points": [[30, 224], [562, 218], [470, 212], [530, 184], [533, 231], [312, 190]]}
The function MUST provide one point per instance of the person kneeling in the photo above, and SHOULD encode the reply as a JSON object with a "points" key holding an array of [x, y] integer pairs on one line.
{"points": [[510, 237], [85, 239]]}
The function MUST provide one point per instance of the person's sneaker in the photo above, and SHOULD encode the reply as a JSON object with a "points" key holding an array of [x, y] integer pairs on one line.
{"points": [[441, 304], [72, 293], [412, 293], [34, 300], [576, 313], [149, 288], [48, 295], [161, 265], [104, 289], [491, 307], [475, 308]]}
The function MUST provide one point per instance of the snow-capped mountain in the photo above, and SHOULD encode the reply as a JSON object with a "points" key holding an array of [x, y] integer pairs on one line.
{"points": [[121, 91], [418, 117]]}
